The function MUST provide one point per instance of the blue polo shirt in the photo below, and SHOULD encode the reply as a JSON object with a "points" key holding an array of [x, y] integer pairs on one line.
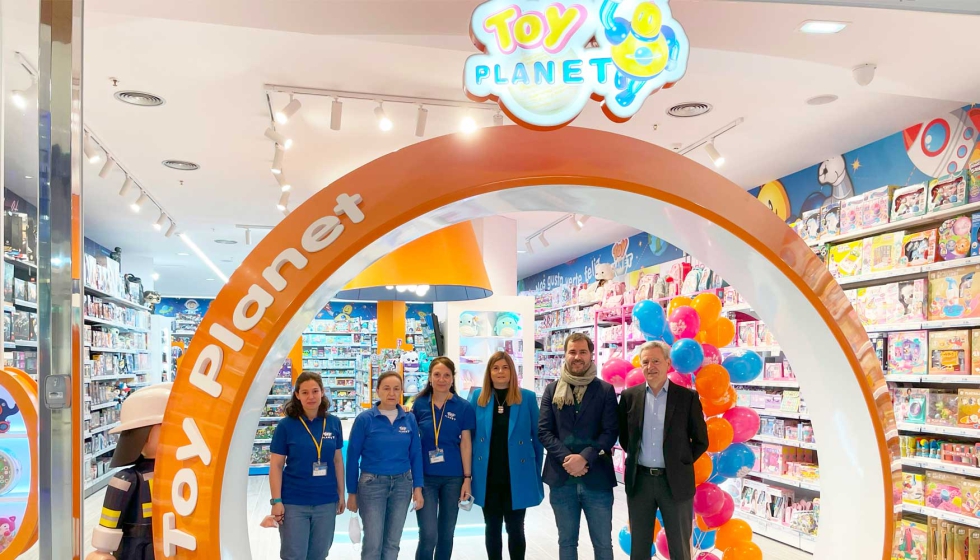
{"points": [[458, 415], [299, 486], [378, 446]]}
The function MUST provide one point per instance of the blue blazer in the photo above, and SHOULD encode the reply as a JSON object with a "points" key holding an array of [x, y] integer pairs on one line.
{"points": [[524, 450]]}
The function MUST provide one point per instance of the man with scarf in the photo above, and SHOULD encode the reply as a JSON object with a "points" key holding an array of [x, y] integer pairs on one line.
{"points": [[578, 426]]}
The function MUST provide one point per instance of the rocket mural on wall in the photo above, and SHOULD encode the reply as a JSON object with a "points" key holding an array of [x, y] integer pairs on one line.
{"points": [[943, 145]]}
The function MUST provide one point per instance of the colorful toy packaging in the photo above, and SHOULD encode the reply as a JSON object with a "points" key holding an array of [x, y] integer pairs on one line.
{"points": [[975, 351], [883, 252], [949, 352], [908, 202], [920, 248], [846, 259], [810, 230], [851, 213], [947, 192], [943, 408], [914, 488], [913, 542], [952, 294], [969, 408], [876, 206], [918, 400], [747, 333], [907, 353], [954, 238], [973, 175], [830, 218]]}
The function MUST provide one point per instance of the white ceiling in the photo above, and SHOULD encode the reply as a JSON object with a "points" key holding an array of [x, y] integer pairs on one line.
{"points": [[210, 59]]}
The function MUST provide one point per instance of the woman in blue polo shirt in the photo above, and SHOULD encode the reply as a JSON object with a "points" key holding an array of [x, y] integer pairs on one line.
{"points": [[384, 470], [308, 494], [447, 422]]}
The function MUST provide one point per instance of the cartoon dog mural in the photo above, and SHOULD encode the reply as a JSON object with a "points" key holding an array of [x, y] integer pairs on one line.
{"points": [[833, 172]]}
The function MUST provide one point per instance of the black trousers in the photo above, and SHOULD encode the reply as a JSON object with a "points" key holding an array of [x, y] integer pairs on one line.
{"points": [[651, 493], [516, 543]]}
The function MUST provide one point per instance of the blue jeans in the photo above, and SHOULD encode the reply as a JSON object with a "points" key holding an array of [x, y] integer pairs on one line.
{"points": [[568, 502], [307, 531], [382, 503], [437, 518]]}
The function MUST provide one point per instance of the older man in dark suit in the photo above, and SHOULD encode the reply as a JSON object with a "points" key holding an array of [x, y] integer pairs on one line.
{"points": [[662, 429]]}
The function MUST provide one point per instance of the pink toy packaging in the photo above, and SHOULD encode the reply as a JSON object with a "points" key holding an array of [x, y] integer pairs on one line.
{"points": [[954, 238], [947, 192], [851, 213], [905, 301], [747, 333], [877, 206], [920, 248], [942, 489], [908, 202], [952, 294], [973, 176], [773, 370], [764, 336], [907, 353], [949, 352]]}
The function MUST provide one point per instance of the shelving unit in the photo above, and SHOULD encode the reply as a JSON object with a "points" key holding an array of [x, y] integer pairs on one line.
{"points": [[280, 392], [547, 362], [342, 359]]}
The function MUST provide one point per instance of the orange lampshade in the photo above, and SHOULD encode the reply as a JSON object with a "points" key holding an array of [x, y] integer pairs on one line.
{"points": [[445, 265]]}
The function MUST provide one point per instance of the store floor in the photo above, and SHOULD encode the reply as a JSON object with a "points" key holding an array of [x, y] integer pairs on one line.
{"points": [[540, 527]]}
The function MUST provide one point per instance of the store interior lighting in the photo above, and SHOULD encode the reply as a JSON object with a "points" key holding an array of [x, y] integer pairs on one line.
{"points": [[204, 258], [19, 99], [420, 289], [498, 119], [248, 236], [817, 27], [171, 230], [278, 138], [716, 157], [135, 206], [541, 238], [384, 123], [283, 116], [284, 185], [107, 167], [283, 201], [336, 112], [277, 160], [126, 186], [91, 152], [530, 248], [160, 221], [467, 125], [420, 117]]}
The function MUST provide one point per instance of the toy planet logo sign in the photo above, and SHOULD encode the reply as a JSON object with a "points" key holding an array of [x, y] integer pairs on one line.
{"points": [[542, 62]]}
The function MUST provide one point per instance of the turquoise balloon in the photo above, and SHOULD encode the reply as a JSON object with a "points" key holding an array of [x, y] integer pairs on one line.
{"points": [[686, 355], [650, 317], [704, 540], [743, 366]]}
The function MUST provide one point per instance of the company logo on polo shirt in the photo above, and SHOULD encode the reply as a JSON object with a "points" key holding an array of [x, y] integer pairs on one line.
{"points": [[327, 435], [403, 430], [451, 415]]}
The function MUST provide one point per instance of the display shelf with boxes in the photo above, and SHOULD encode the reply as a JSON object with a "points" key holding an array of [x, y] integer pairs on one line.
{"points": [[787, 515], [279, 395], [340, 351]]}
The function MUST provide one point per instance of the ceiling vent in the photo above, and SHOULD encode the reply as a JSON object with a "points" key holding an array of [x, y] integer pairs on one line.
{"points": [[139, 98], [821, 99], [687, 110], [181, 165], [226, 241]]}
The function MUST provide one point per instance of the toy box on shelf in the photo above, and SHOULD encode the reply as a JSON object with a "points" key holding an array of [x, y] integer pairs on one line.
{"points": [[952, 294], [271, 414]]}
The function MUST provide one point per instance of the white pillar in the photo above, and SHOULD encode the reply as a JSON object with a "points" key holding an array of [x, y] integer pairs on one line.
{"points": [[497, 236]]}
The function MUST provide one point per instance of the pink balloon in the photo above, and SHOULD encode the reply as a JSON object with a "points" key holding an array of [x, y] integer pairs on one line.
{"points": [[744, 421], [708, 499], [635, 378], [684, 322], [681, 379], [711, 355], [707, 556], [724, 515], [615, 370], [661, 544]]}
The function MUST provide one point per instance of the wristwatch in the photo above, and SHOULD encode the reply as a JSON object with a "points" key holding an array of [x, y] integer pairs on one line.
{"points": [[275, 501], [467, 476]]}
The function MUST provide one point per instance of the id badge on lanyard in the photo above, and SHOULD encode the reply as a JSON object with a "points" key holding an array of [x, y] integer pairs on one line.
{"points": [[437, 455], [319, 469]]}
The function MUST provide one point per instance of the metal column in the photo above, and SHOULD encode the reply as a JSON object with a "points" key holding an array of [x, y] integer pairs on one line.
{"points": [[59, 278]]}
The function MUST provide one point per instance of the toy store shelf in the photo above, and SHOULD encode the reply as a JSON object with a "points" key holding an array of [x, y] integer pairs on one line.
{"points": [[941, 430], [258, 470], [784, 441], [946, 379], [944, 515], [109, 404], [777, 384], [9, 346], [25, 343], [121, 326], [21, 263], [117, 350], [105, 428], [102, 451], [788, 481], [114, 299], [743, 307], [261, 441], [25, 304], [932, 218], [279, 396], [111, 377], [515, 337], [937, 465], [772, 349], [270, 419], [182, 333], [540, 353], [778, 531], [540, 312], [781, 414], [99, 483], [568, 327], [284, 380]]}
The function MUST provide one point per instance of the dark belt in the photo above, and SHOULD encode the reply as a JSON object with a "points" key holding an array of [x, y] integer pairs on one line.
{"points": [[138, 530], [650, 470]]}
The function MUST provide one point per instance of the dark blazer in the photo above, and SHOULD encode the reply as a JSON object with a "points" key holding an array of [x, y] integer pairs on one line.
{"points": [[591, 433], [685, 436]]}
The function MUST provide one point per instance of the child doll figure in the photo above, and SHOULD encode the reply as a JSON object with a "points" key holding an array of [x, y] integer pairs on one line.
{"points": [[125, 531]]}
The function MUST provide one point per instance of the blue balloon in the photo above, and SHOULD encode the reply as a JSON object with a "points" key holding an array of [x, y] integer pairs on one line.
{"points": [[743, 366], [625, 540], [731, 462], [686, 355], [704, 540], [660, 518], [650, 317], [717, 479], [667, 335]]}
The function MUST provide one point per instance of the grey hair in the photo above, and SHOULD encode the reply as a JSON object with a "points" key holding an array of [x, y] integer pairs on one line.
{"points": [[650, 345]]}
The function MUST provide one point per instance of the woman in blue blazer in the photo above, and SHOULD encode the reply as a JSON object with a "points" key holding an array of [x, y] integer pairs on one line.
{"points": [[507, 456]]}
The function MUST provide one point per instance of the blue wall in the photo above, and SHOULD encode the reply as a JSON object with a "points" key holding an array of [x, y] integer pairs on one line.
{"points": [[170, 307]]}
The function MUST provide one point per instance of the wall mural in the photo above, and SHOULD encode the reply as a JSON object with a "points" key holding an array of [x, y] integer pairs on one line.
{"points": [[927, 150], [367, 311]]}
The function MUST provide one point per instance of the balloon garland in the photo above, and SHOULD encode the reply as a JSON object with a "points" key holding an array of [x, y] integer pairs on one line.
{"points": [[695, 330]]}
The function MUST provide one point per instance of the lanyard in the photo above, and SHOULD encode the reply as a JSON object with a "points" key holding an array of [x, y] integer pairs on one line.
{"points": [[437, 427], [318, 444]]}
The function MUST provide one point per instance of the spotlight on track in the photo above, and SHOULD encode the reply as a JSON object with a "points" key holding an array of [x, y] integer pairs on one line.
{"points": [[107, 168], [126, 186], [139, 202], [498, 119], [160, 221], [544, 242], [248, 236], [716, 157], [19, 99], [336, 112], [279, 138], [284, 185], [283, 116], [91, 152], [283, 201], [384, 123], [277, 160], [467, 125], [530, 248], [172, 229], [420, 117]]}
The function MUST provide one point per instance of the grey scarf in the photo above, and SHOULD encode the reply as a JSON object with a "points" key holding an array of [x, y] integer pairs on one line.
{"points": [[571, 388]]}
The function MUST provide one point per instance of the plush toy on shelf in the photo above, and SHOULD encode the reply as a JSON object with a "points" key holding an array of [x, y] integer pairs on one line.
{"points": [[469, 324], [410, 362], [124, 531], [604, 273], [507, 324]]}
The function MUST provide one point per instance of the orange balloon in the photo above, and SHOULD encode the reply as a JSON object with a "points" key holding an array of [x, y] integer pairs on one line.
{"points": [[701, 523], [720, 434], [656, 528], [714, 408], [636, 360], [702, 469], [743, 551], [708, 307], [713, 382], [732, 394], [721, 333], [733, 532], [702, 337], [679, 301]]}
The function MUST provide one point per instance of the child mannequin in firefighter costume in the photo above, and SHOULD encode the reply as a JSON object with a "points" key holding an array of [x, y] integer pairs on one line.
{"points": [[125, 531]]}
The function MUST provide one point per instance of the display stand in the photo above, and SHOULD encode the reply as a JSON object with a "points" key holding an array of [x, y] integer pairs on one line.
{"points": [[20, 314], [552, 325], [18, 463]]}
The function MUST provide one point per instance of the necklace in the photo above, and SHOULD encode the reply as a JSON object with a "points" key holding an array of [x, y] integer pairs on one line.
{"points": [[500, 407]]}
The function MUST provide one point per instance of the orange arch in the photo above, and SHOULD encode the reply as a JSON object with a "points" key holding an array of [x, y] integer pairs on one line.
{"points": [[407, 184], [23, 389]]}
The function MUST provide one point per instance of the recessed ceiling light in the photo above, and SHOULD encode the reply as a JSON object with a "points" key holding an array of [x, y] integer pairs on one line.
{"points": [[689, 109], [139, 98], [183, 254], [28, 177], [819, 27], [210, 279], [181, 165], [226, 241], [155, 276], [521, 251], [821, 99]]}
